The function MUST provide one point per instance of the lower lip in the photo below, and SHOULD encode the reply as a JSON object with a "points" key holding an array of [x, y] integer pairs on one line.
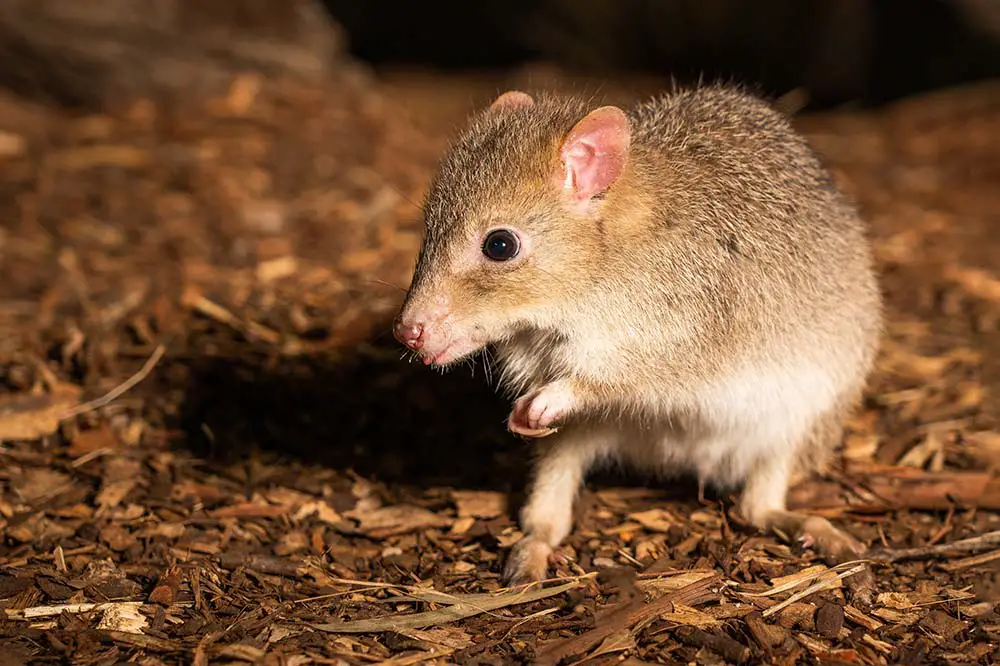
{"points": [[436, 359], [440, 357]]}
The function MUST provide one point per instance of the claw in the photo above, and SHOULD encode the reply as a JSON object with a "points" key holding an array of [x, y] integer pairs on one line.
{"points": [[534, 433]]}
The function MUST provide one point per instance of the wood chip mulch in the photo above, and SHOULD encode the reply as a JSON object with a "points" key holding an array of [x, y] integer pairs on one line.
{"points": [[212, 452]]}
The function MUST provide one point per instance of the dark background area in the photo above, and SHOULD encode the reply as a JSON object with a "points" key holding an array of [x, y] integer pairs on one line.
{"points": [[838, 51]]}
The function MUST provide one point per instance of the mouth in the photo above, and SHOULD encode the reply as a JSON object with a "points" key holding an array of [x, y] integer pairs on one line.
{"points": [[454, 351]]}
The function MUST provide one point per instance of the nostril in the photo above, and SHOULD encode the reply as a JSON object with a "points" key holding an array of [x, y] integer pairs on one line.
{"points": [[413, 336], [409, 334]]}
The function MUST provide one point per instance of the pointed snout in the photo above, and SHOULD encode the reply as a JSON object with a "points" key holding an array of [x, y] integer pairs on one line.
{"points": [[423, 325]]}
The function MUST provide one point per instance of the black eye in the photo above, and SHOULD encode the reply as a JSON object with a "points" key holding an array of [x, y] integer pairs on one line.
{"points": [[501, 245]]}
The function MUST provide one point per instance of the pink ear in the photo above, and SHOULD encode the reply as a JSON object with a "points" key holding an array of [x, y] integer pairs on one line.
{"points": [[512, 99], [595, 152]]}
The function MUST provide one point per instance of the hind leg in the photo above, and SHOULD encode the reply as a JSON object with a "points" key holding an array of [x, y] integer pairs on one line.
{"points": [[763, 503]]}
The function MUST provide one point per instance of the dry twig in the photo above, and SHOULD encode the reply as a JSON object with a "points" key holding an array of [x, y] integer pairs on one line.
{"points": [[119, 390], [970, 545]]}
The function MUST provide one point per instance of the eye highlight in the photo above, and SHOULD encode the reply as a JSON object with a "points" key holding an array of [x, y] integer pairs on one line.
{"points": [[501, 245]]}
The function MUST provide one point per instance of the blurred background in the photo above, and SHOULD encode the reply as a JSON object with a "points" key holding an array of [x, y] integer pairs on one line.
{"points": [[839, 51], [836, 51]]}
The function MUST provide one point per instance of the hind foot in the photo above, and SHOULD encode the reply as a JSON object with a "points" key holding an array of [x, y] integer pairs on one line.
{"points": [[834, 545], [819, 534]]}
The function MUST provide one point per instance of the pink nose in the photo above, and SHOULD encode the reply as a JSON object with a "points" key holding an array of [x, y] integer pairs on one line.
{"points": [[410, 334]]}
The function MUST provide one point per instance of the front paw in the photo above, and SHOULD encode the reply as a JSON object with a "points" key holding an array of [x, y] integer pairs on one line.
{"points": [[535, 413], [527, 562]]}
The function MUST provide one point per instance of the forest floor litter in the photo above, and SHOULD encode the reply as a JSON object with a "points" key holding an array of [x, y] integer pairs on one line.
{"points": [[212, 451]]}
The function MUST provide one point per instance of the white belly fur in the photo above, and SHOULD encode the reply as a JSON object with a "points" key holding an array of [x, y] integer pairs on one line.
{"points": [[752, 415]]}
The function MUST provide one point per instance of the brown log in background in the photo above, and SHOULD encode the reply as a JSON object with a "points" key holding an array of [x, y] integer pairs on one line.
{"points": [[91, 54]]}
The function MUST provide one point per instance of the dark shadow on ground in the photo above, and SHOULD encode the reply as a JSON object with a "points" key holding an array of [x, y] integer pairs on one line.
{"points": [[385, 419], [377, 415]]}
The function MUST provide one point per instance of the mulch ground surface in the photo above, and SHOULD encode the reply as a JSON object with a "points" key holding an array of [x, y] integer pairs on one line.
{"points": [[212, 451]]}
